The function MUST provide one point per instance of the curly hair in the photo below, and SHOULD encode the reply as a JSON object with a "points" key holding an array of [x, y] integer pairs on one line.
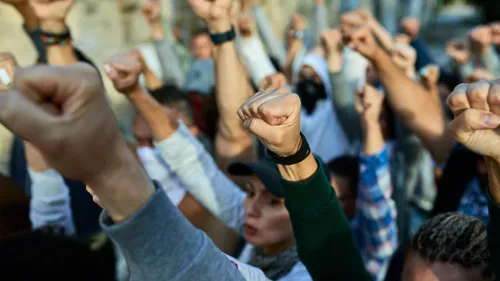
{"points": [[454, 238]]}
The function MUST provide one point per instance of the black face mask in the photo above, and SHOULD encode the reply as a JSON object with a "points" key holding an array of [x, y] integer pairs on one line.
{"points": [[310, 93]]}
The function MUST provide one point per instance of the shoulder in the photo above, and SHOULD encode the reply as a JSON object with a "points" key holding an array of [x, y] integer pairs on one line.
{"points": [[298, 273]]}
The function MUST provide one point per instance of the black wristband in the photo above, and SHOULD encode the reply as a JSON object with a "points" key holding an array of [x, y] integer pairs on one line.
{"points": [[301, 154], [221, 38]]}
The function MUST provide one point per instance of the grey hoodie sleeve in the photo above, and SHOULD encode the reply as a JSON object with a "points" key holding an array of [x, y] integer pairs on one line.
{"points": [[343, 103], [320, 22], [274, 46], [169, 62], [159, 244], [491, 61]]}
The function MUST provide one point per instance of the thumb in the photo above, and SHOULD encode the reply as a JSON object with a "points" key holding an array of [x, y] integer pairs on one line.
{"points": [[472, 120], [24, 118], [262, 129]]}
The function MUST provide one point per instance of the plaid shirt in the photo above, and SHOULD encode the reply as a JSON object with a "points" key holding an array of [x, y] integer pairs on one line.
{"points": [[474, 202], [374, 224]]}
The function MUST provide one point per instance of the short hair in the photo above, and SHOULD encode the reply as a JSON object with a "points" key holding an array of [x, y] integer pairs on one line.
{"points": [[173, 97], [346, 166], [46, 254], [454, 238], [200, 31]]}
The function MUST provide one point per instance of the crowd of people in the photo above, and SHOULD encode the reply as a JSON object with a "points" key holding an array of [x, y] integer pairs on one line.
{"points": [[337, 153]]}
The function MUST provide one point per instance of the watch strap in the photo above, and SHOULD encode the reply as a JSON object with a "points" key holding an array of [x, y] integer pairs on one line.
{"points": [[221, 38], [298, 157]]}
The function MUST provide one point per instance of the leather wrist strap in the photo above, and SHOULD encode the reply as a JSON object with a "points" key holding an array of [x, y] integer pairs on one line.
{"points": [[49, 38], [221, 38], [298, 157]]}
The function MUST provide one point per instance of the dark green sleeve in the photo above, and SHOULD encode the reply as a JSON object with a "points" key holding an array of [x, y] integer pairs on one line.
{"points": [[325, 242], [493, 234]]}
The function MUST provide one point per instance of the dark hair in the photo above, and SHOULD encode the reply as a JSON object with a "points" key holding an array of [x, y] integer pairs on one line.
{"points": [[46, 254], [201, 31], [346, 166], [454, 238], [172, 96]]}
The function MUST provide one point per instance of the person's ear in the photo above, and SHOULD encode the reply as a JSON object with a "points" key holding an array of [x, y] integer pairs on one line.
{"points": [[194, 130]]}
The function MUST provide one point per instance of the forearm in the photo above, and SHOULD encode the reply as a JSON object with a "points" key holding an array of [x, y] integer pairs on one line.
{"points": [[169, 60], [320, 20], [422, 115], [491, 61], [233, 89], [256, 59], [292, 52], [196, 169], [273, 44], [373, 138], [58, 54], [313, 208], [157, 118], [50, 201], [382, 35]]}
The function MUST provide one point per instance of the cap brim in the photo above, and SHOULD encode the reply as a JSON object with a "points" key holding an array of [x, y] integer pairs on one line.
{"points": [[268, 175]]}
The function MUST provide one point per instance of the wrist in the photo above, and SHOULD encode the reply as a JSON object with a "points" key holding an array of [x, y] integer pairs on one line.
{"points": [[157, 30], [53, 26], [134, 91], [334, 60], [300, 171], [220, 26], [370, 125]]}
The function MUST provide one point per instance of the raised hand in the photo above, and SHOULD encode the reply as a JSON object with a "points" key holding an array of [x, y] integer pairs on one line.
{"points": [[151, 10], [274, 81], [217, 13], [124, 71], [404, 56], [298, 22], [402, 39], [274, 117], [458, 51], [353, 20], [477, 116], [332, 43], [368, 103], [52, 13], [361, 40], [481, 39], [411, 27], [8, 66]]}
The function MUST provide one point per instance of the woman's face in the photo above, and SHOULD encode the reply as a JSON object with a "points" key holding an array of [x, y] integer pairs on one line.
{"points": [[267, 222]]}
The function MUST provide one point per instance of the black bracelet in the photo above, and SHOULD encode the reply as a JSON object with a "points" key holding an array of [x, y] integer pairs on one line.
{"points": [[301, 154], [221, 38], [49, 38]]}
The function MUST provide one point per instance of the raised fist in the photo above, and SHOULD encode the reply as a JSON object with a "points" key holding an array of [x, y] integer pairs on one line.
{"points": [[245, 26], [331, 40], [8, 66], [352, 20], [404, 56], [429, 76], [411, 27], [481, 38], [298, 22], [55, 10], [124, 71], [458, 51], [274, 117], [368, 103], [274, 81], [477, 116], [217, 13], [151, 10], [361, 40], [495, 32], [64, 113]]}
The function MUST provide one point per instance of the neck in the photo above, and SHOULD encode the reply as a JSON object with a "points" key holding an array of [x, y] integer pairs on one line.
{"points": [[278, 248]]}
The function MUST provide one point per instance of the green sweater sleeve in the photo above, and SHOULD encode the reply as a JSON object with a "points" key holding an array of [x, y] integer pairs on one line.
{"points": [[493, 234], [325, 242]]}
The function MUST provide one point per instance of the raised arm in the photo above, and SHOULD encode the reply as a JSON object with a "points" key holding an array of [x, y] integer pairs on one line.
{"points": [[232, 141], [157, 241], [319, 20], [423, 115], [343, 93], [375, 210], [483, 49], [476, 126], [185, 155], [274, 44], [325, 242], [164, 46], [52, 15]]}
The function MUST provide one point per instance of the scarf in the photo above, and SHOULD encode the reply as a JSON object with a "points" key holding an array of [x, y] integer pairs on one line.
{"points": [[275, 266]]}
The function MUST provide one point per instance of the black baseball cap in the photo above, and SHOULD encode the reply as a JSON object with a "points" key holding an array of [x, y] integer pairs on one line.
{"points": [[265, 171]]}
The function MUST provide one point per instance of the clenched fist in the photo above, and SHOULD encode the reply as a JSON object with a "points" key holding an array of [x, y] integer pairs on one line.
{"points": [[361, 40], [331, 40], [151, 10], [273, 81], [217, 13], [481, 39], [477, 116], [52, 12], [368, 103], [458, 51], [124, 71], [8, 66], [274, 117], [411, 27]]}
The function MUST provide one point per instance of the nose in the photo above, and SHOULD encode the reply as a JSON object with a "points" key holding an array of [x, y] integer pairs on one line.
{"points": [[252, 208]]}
